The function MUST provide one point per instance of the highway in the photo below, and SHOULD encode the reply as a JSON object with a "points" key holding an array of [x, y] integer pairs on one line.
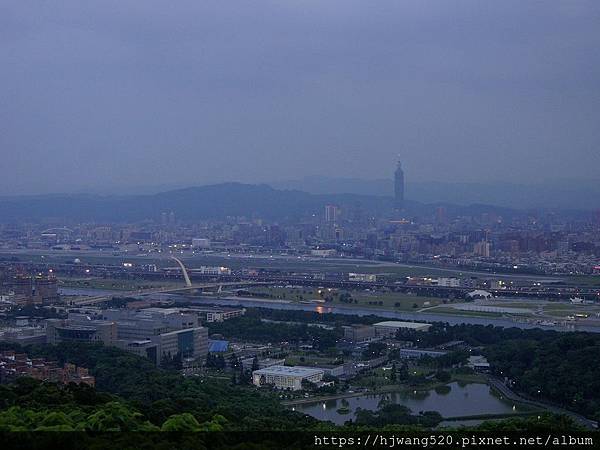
{"points": [[86, 301]]}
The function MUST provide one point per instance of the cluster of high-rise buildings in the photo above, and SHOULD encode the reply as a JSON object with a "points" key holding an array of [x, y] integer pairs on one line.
{"points": [[26, 289], [404, 232]]}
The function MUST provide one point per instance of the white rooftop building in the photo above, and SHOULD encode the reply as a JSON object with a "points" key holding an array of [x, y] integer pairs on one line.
{"points": [[390, 327], [284, 377], [478, 293]]}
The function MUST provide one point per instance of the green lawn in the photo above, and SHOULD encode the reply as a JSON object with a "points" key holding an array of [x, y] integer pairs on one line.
{"points": [[457, 312], [376, 300], [114, 284], [584, 280]]}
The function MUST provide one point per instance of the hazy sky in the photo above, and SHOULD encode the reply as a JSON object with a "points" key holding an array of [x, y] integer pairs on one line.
{"points": [[107, 93]]}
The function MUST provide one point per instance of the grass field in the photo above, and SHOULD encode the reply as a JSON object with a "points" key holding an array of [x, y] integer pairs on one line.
{"points": [[457, 312], [307, 264], [298, 358], [114, 284], [584, 280], [376, 300]]}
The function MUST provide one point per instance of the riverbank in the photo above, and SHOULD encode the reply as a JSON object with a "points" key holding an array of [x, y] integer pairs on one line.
{"points": [[500, 387], [451, 319]]}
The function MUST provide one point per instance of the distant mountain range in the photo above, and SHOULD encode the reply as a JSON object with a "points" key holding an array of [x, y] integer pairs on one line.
{"points": [[214, 201], [558, 194], [358, 198]]}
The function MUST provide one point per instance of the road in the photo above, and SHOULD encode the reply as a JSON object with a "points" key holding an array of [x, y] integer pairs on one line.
{"points": [[511, 395], [86, 301]]}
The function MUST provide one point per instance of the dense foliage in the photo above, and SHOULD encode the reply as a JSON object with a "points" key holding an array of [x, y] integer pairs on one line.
{"points": [[159, 394], [397, 414], [546, 365], [252, 328], [563, 368], [311, 316], [132, 394]]}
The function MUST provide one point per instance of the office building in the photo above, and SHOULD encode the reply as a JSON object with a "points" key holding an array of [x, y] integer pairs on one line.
{"points": [[331, 213], [156, 333], [141, 325], [34, 290], [482, 248], [144, 348], [191, 343]]}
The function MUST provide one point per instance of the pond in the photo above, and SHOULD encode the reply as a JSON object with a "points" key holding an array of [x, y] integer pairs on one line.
{"points": [[452, 400]]}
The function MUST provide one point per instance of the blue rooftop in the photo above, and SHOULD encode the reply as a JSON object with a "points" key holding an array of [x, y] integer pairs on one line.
{"points": [[217, 346]]}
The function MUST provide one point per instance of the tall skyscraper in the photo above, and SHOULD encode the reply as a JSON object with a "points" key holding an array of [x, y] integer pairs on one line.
{"points": [[399, 187], [332, 213]]}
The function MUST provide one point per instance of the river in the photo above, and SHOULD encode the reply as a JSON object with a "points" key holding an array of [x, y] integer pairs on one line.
{"points": [[397, 315], [347, 310]]}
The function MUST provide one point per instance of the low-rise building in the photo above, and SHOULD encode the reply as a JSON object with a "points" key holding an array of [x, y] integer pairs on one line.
{"points": [[391, 327], [212, 270], [200, 243], [448, 282], [478, 363], [263, 363], [73, 330], [23, 335], [359, 333], [14, 365], [284, 377], [216, 314], [419, 353], [362, 277]]}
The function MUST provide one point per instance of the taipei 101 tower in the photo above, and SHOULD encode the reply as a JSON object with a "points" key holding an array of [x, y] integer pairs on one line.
{"points": [[399, 187]]}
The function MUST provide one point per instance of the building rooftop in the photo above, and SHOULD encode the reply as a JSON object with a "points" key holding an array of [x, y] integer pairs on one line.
{"points": [[163, 311], [398, 324], [297, 371], [215, 346]]}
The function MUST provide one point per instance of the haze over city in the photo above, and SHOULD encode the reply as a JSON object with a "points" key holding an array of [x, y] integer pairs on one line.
{"points": [[109, 96], [299, 224]]}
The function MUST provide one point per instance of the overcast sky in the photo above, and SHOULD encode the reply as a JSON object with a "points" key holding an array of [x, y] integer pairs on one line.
{"points": [[107, 94]]}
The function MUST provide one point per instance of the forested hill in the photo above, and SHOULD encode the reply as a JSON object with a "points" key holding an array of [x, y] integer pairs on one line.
{"points": [[214, 201]]}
